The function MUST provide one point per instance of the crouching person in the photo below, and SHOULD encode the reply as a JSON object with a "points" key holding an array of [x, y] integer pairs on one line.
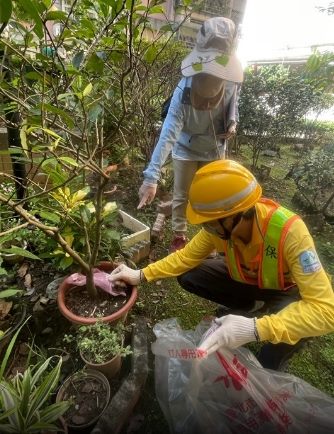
{"points": [[267, 255]]}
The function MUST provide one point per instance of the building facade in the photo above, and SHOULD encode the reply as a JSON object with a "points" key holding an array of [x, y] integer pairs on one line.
{"points": [[187, 23]]}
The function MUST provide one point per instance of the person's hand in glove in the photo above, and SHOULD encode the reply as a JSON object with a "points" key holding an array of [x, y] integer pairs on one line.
{"points": [[146, 193], [127, 275], [232, 129], [232, 332]]}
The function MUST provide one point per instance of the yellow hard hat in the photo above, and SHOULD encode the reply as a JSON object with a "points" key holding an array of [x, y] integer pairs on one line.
{"points": [[221, 189]]}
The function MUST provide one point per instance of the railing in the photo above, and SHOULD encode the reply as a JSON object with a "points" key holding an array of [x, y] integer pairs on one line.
{"points": [[215, 7]]}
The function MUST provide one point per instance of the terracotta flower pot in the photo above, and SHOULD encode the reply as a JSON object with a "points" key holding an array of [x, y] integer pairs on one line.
{"points": [[90, 392], [110, 368], [121, 314]]}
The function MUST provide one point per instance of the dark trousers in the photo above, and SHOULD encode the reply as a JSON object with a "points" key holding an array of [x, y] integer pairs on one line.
{"points": [[212, 281]]}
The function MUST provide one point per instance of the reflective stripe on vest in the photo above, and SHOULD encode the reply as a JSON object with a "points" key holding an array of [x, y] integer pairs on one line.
{"points": [[270, 272]]}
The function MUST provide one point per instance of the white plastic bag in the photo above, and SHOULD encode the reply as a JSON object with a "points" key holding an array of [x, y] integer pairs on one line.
{"points": [[229, 391]]}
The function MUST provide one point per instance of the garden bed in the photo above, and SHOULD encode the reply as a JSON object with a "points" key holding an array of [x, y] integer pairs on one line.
{"points": [[156, 301]]}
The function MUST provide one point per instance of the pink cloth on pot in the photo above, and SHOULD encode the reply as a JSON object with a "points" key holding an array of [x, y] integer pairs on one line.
{"points": [[100, 279]]}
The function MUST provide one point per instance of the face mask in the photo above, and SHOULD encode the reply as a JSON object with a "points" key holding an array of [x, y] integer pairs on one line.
{"points": [[217, 227]]}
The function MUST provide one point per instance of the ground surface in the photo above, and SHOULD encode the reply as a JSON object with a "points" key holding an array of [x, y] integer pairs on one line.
{"points": [[165, 299]]}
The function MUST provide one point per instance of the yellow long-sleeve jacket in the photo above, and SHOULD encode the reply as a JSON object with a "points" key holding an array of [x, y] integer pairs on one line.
{"points": [[313, 315]]}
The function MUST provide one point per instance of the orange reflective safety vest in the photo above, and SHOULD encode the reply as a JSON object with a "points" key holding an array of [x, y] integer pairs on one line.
{"points": [[274, 230]]}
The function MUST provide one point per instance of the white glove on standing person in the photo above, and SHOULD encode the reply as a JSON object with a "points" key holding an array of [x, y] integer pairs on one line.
{"points": [[232, 332], [146, 193], [232, 129], [126, 274]]}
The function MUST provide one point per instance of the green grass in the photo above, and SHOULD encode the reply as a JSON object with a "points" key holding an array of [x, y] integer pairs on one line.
{"points": [[315, 363]]}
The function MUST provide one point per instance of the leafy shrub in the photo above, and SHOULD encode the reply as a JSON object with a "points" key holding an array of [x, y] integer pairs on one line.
{"points": [[314, 179], [26, 405], [273, 101]]}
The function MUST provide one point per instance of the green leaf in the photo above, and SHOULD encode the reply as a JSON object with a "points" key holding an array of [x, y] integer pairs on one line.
{"points": [[69, 161], [151, 53], [50, 216], [26, 391], [112, 234], [95, 64], [85, 214], [61, 113], [10, 151], [157, 9], [222, 60], [197, 67], [33, 75], [9, 400], [64, 95], [49, 162], [65, 262], [3, 272], [166, 28], [9, 350], [6, 8], [4, 428], [23, 138], [56, 16], [9, 292], [128, 4], [54, 411], [77, 59], [32, 11], [94, 112], [87, 90], [43, 391], [21, 252]]}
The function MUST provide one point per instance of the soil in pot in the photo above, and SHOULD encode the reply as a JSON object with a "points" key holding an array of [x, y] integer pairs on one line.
{"points": [[80, 303], [89, 392]]}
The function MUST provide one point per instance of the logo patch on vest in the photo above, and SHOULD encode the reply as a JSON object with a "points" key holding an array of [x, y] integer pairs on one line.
{"points": [[309, 261]]}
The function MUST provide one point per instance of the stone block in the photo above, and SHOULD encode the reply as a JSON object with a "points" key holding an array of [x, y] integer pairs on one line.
{"points": [[123, 402]]}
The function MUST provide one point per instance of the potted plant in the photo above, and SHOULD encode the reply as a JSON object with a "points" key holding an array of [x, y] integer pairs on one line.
{"points": [[101, 346], [89, 393], [26, 405]]}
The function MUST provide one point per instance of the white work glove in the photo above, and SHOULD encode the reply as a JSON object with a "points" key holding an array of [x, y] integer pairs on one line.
{"points": [[146, 193], [232, 332], [231, 130], [126, 274]]}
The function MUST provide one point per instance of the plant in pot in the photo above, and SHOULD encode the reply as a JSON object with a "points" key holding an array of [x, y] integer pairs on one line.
{"points": [[101, 346], [26, 401]]}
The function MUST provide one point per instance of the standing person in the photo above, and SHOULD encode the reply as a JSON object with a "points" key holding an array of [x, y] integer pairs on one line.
{"points": [[269, 256], [203, 114]]}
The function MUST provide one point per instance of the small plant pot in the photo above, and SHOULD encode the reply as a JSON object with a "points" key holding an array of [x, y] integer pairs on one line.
{"points": [[18, 320], [119, 315], [110, 368], [90, 392]]}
